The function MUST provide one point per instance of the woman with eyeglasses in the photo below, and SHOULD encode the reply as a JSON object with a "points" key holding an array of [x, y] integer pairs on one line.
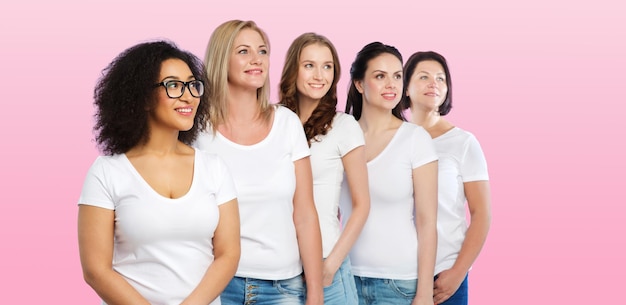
{"points": [[463, 176], [266, 149], [158, 221], [308, 86], [394, 257]]}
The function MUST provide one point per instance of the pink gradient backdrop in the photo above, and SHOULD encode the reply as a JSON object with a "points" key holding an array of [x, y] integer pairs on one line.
{"points": [[539, 82]]}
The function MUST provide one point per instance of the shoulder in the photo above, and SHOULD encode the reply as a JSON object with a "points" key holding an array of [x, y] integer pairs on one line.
{"points": [[204, 139], [468, 135], [108, 162], [414, 131], [343, 121], [280, 110], [417, 139], [462, 136], [283, 115], [211, 163], [108, 168], [342, 118], [208, 158]]}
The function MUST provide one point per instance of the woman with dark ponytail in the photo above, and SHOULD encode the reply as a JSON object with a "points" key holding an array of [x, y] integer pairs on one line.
{"points": [[394, 257]]}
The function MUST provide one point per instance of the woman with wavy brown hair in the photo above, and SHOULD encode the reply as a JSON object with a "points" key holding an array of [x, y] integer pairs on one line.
{"points": [[308, 86]]}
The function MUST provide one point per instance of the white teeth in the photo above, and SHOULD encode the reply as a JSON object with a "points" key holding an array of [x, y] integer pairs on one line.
{"points": [[185, 110]]}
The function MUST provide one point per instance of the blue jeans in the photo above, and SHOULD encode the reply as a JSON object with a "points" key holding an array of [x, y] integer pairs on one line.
{"points": [[242, 291], [342, 291], [460, 296], [375, 291]]}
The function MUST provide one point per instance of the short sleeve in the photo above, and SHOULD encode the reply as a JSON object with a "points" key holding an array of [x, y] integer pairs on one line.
{"points": [[299, 144], [204, 139], [424, 149], [351, 133], [96, 191], [226, 190], [473, 162]]}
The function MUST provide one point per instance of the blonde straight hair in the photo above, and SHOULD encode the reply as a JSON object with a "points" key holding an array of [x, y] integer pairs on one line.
{"points": [[216, 62]]}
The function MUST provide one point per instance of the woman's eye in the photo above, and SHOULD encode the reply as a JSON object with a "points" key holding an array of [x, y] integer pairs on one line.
{"points": [[397, 76], [380, 76], [172, 85], [263, 52], [423, 77], [441, 79], [308, 66], [244, 51], [328, 67]]}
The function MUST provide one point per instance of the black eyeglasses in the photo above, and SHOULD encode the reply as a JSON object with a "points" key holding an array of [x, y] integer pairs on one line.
{"points": [[176, 88]]}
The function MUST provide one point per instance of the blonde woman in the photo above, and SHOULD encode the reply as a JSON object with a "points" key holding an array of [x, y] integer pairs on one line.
{"points": [[267, 153]]}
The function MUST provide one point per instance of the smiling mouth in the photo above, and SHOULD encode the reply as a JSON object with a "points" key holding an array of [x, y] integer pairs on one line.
{"points": [[184, 110]]}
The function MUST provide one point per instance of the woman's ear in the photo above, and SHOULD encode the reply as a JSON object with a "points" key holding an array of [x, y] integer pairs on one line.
{"points": [[359, 86]]}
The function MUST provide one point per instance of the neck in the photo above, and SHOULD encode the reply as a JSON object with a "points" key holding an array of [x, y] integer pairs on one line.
{"points": [[160, 143], [242, 105], [374, 119], [306, 108], [426, 119], [431, 121]]}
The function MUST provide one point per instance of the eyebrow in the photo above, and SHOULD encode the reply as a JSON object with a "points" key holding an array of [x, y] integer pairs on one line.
{"points": [[248, 46], [190, 77], [438, 73], [385, 72], [324, 62]]}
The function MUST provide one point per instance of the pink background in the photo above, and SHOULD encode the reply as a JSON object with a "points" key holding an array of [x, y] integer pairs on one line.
{"points": [[538, 82]]}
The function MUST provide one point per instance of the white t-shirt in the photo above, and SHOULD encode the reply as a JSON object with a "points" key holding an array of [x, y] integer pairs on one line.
{"points": [[461, 160], [162, 246], [387, 246], [326, 153], [265, 180]]}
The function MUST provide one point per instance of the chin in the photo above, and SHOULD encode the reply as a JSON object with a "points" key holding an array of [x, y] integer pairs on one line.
{"points": [[185, 128], [316, 98]]}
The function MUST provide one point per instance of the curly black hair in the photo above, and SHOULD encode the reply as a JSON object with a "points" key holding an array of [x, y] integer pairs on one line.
{"points": [[126, 91]]}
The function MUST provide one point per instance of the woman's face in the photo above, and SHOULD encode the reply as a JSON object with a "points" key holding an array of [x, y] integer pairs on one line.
{"points": [[382, 84], [316, 72], [427, 87], [249, 62], [174, 113]]}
